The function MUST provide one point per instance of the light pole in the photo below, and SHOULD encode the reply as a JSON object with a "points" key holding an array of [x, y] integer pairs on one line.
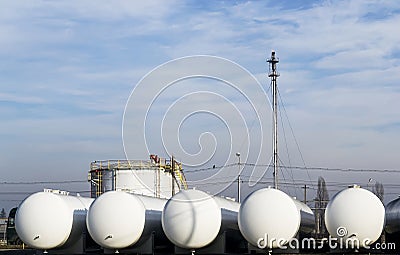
{"points": [[238, 155], [305, 193]]}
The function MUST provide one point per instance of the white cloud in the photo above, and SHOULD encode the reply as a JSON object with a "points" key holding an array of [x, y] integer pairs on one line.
{"points": [[17, 98]]}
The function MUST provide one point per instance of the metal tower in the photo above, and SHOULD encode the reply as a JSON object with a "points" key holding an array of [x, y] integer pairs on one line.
{"points": [[274, 75]]}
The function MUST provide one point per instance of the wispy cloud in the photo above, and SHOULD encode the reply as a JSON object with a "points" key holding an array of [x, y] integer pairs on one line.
{"points": [[15, 98]]}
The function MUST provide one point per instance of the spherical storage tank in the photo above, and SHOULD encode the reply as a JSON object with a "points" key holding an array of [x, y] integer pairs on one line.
{"points": [[357, 214], [192, 219], [268, 218], [118, 220], [48, 220]]}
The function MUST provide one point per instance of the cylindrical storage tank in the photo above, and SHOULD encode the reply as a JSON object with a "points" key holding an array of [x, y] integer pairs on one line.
{"points": [[393, 216], [355, 215], [307, 217], [268, 218], [192, 219], [118, 220], [48, 220]]}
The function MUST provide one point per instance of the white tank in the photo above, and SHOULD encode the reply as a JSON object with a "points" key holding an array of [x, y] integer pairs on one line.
{"points": [[357, 214], [268, 217], [118, 220], [46, 220], [192, 219], [307, 217]]}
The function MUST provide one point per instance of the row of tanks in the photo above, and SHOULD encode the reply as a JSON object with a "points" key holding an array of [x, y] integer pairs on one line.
{"points": [[193, 220]]}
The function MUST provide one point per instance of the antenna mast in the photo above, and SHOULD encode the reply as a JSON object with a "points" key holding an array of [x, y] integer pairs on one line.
{"points": [[274, 75]]}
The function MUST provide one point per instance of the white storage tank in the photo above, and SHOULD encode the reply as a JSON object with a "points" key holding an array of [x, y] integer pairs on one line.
{"points": [[355, 215], [393, 216], [143, 177], [307, 217], [118, 220], [269, 218], [192, 219], [51, 219]]}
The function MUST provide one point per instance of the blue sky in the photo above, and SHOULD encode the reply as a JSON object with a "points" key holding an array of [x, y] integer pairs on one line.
{"points": [[67, 69]]}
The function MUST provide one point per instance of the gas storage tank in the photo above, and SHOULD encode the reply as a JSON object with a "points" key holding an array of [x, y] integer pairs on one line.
{"points": [[307, 218], [118, 220], [269, 218], [51, 219], [393, 216], [192, 219], [356, 214]]}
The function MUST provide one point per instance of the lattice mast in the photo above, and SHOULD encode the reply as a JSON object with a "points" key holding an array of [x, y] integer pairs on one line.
{"points": [[274, 76]]}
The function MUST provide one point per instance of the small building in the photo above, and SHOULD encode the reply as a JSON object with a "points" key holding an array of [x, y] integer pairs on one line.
{"points": [[157, 177]]}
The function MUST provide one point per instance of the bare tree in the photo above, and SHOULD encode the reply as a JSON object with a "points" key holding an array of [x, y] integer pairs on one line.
{"points": [[3, 213], [378, 190], [321, 201]]}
